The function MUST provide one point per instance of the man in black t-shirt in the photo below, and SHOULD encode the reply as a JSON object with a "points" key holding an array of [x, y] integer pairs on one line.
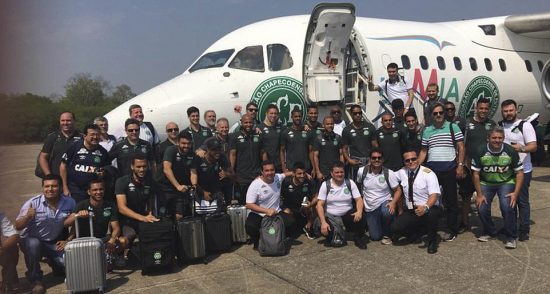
{"points": [[357, 140], [390, 141], [57, 143], [299, 199], [198, 132], [124, 150], [177, 172], [135, 195], [245, 156], [270, 136], [172, 131], [413, 135], [295, 143], [105, 216], [211, 170], [326, 149], [82, 163]]}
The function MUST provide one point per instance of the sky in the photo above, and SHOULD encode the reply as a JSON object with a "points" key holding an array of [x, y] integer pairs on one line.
{"points": [[143, 43]]}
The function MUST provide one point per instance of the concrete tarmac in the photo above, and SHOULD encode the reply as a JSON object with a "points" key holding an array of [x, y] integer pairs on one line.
{"points": [[462, 266]]}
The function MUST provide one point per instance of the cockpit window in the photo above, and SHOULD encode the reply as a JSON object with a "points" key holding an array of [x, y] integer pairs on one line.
{"points": [[249, 58], [278, 57], [212, 59]]}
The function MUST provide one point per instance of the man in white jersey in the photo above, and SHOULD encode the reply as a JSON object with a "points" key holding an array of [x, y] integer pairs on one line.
{"points": [[378, 185], [395, 87], [263, 198], [522, 137]]}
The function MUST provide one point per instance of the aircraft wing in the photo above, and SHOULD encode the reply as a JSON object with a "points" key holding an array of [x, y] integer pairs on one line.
{"points": [[530, 25]]}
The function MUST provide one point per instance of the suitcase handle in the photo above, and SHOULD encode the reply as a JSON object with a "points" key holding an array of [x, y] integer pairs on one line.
{"points": [[90, 216]]}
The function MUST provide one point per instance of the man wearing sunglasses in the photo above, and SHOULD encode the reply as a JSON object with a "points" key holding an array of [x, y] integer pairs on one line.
{"points": [[357, 140], [172, 131], [124, 150], [450, 116], [420, 188], [440, 146]]}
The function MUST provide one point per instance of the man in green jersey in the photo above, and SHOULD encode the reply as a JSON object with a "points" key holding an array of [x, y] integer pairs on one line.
{"points": [[497, 169]]}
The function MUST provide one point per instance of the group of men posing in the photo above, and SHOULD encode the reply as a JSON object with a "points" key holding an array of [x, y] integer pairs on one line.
{"points": [[301, 171]]}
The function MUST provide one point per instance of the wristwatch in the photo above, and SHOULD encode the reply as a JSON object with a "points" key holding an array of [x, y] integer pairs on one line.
{"points": [[522, 148]]}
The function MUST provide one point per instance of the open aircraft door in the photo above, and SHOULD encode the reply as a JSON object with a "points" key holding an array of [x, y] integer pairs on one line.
{"points": [[327, 38]]}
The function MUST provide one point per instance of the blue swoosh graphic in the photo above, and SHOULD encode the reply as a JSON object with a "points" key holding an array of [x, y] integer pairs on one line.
{"points": [[424, 38]]}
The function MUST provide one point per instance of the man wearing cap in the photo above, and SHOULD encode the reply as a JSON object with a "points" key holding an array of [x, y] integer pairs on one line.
{"points": [[211, 170], [398, 112]]}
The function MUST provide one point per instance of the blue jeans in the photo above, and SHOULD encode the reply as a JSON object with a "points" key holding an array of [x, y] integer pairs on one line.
{"points": [[379, 221], [508, 213], [34, 249], [524, 208]]}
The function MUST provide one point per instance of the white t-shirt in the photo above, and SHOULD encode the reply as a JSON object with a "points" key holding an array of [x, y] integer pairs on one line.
{"points": [[265, 195], [424, 185], [522, 138], [339, 128], [339, 198], [6, 229], [397, 90], [375, 188]]}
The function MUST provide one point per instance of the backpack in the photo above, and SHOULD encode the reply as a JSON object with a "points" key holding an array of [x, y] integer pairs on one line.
{"points": [[385, 171], [272, 237], [537, 156]]}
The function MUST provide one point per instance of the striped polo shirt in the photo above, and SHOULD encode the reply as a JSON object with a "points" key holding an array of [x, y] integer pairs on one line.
{"points": [[440, 145]]}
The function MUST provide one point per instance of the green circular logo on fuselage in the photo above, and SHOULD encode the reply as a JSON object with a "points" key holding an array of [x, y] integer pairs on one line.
{"points": [[286, 93], [479, 87]]}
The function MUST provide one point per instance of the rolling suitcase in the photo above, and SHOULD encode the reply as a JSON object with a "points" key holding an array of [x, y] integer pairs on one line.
{"points": [[156, 245], [85, 262], [190, 230], [217, 232], [238, 214]]}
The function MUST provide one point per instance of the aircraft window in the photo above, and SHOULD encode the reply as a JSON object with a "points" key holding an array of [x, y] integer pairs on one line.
{"points": [[423, 62], [458, 63], [528, 65], [441, 63], [488, 64], [405, 62], [278, 57], [212, 59], [473, 64], [249, 58], [540, 64], [502, 64]]}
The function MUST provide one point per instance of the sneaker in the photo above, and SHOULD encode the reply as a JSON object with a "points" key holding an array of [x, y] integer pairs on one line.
{"points": [[38, 288], [360, 242], [309, 233], [386, 240], [510, 244], [119, 261], [524, 237], [485, 238], [451, 237]]}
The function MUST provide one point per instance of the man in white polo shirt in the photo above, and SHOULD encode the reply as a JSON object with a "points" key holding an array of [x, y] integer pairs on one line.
{"points": [[395, 87], [522, 137], [263, 198], [421, 192], [378, 185]]}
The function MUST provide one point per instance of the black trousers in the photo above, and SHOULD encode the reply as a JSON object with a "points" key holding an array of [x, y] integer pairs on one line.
{"points": [[172, 202], [409, 224], [254, 222], [447, 180], [240, 189]]}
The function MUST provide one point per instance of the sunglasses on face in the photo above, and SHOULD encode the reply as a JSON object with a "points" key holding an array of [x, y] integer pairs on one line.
{"points": [[410, 160], [437, 113], [356, 113], [172, 130], [376, 158], [132, 130], [449, 109], [335, 111], [252, 109]]}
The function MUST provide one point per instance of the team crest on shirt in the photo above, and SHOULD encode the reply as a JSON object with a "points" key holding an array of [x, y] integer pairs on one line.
{"points": [[82, 151], [97, 159], [487, 126], [394, 135], [365, 132], [204, 133], [304, 134], [304, 188], [107, 213], [144, 149], [381, 179], [335, 142], [346, 190], [255, 139], [146, 190]]}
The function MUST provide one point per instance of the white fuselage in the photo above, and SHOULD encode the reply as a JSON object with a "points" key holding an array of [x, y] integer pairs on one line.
{"points": [[223, 88]]}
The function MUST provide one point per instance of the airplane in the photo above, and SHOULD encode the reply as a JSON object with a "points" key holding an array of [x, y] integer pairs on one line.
{"points": [[325, 58]]}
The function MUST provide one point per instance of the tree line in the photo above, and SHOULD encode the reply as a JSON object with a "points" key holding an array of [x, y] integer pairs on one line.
{"points": [[29, 118]]}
